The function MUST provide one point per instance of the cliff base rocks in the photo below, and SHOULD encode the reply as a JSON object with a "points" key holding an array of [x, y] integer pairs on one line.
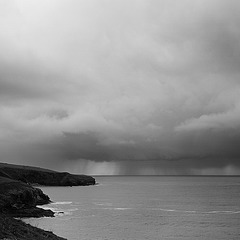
{"points": [[18, 198]]}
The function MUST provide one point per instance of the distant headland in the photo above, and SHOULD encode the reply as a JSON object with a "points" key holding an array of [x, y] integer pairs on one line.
{"points": [[18, 198]]}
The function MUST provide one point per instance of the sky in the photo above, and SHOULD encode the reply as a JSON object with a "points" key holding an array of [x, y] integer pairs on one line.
{"points": [[121, 87]]}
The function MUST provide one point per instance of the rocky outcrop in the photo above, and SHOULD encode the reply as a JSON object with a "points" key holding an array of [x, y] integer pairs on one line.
{"points": [[12, 229], [44, 176], [20, 199]]}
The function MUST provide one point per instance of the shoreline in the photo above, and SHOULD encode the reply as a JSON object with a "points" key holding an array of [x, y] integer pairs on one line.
{"points": [[12, 229], [19, 198]]}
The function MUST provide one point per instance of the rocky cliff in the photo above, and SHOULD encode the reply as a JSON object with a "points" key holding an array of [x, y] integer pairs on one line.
{"points": [[42, 176], [20, 199]]}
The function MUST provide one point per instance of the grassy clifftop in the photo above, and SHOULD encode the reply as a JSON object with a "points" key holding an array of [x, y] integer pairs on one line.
{"points": [[34, 175]]}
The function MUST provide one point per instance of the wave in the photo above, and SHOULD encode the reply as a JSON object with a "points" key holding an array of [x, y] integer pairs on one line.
{"points": [[116, 208], [108, 207], [222, 212], [49, 208], [198, 212], [59, 211], [103, 204], [58, 208], [174, 210], [60, 203]]}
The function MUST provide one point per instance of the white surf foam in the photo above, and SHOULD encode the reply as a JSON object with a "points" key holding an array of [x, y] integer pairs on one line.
{"points": [[60, 203]]}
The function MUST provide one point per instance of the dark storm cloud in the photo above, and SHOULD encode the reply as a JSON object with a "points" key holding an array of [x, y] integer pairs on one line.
{"points": [[144, 87]]}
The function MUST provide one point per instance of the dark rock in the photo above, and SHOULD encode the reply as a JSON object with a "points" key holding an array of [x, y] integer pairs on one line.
{"points": [[45, 177], [13, 229], [20, 199], [30, 212]]}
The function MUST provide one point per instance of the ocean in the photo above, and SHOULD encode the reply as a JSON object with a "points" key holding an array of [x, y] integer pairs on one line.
{"points": [[146, 207]]}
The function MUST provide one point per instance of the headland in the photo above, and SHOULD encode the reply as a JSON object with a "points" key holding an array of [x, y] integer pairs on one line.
{"points": [[20, 199]]}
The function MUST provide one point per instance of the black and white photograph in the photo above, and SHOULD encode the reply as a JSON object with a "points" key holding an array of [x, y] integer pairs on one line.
{"points": [[119, 119]]}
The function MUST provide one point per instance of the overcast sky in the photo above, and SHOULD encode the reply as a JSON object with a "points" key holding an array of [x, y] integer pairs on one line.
{"points": [[120, 86]]}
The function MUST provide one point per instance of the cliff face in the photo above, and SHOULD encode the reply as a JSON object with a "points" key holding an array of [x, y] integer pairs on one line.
{"points": [[43, 176], [20, 199]]}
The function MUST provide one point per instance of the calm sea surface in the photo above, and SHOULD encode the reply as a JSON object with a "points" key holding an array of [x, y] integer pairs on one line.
{"points": [[146, 208]]}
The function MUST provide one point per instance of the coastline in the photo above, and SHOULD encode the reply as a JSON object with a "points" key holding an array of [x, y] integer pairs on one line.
{"points": [[19, 199], [12, 229]]}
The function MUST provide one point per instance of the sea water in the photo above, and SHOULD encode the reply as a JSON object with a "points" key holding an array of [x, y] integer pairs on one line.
{"points": [[146, 207]]}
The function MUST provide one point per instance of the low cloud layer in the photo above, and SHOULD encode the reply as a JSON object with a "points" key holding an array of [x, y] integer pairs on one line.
{"points": [[123, 87]]}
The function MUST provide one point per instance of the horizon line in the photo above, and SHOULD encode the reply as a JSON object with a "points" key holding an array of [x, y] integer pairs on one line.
{"points": [[161, 175]]}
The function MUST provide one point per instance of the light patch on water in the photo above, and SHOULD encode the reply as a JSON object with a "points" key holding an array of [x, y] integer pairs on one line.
{"points": [[103, 204], [121, 208], [198, 212], [60, 203], [117, 208], [222, 212]]}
